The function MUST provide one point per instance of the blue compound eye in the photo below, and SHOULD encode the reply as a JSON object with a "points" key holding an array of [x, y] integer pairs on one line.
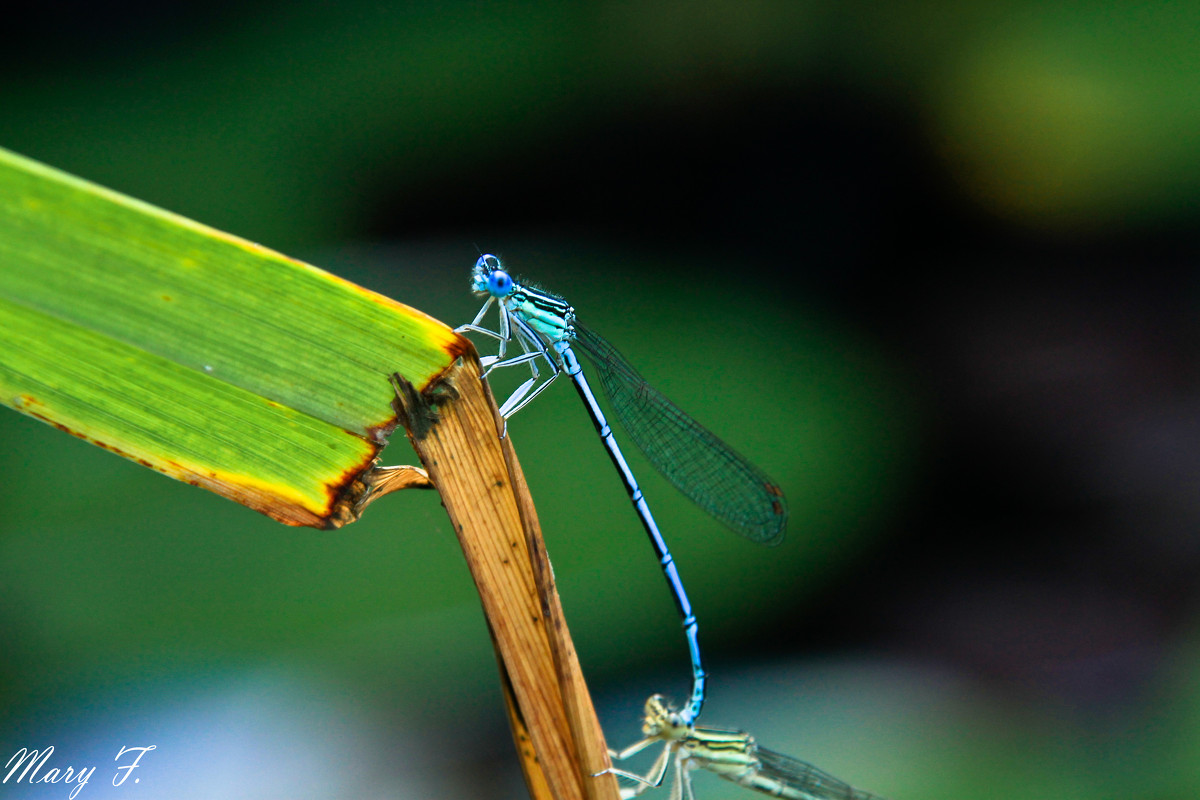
{"points": [[488, 263], [499, 282]]}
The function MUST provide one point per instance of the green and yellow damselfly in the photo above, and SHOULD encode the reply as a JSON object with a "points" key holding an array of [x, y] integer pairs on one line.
{"points": [[732, 754]]}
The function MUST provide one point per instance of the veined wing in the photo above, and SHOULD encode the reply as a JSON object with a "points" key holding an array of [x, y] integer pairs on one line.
{"points": [[708, 471], [802, 780]]}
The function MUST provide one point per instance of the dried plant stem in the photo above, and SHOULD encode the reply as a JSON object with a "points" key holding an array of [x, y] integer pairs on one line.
{"points": [[484, 492]]}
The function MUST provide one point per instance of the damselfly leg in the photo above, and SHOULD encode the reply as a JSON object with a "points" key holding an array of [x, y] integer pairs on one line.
{"points": [[532, 348]]}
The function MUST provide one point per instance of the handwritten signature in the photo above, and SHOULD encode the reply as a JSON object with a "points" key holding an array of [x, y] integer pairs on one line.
{"points": [[34, 761]]}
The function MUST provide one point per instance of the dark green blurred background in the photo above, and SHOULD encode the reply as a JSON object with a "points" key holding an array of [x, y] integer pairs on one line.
{"points": [[933, 267]]}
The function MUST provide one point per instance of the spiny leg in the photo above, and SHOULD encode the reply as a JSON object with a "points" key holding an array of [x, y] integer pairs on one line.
{"points": [[533, 346], [652, 779], [503, 335], [531, 349]]}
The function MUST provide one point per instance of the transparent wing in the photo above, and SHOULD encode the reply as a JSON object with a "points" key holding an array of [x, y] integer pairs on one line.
{"points": [[806, 779], [708, 471]]}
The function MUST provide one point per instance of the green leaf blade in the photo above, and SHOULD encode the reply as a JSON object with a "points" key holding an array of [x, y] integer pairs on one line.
{"points": [[201, 355]]}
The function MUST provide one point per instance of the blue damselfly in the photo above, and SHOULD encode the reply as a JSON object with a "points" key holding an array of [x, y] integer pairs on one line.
{"points": [[699, 464]]}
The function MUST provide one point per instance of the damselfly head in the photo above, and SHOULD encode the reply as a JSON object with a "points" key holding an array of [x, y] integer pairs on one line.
{"points": [[489, 277], [662, 721]]}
